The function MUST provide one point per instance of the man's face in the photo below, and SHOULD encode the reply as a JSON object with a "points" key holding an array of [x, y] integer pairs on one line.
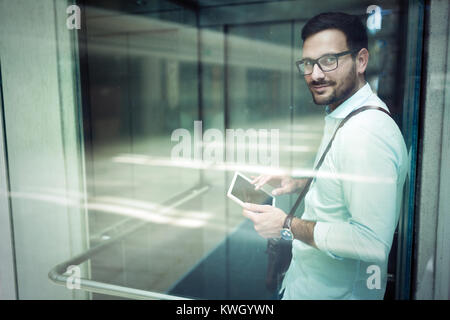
{"points": [[331, 87]]}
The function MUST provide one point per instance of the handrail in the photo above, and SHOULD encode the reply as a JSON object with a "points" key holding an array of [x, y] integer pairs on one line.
{"points": [[57, 273]]}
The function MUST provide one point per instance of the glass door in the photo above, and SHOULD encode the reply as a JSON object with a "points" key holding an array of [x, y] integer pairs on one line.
{"points": [[166, 88]]}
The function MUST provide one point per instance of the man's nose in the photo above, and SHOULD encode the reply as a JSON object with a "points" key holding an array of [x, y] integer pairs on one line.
{"points": [[317, 73]]}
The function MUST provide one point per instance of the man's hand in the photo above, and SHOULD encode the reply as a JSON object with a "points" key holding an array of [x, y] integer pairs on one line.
{"points": [[268, 220], [283, 184]]}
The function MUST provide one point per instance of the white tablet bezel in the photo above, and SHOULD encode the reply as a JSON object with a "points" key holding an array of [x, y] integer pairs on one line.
{"points": [[235, 199]]}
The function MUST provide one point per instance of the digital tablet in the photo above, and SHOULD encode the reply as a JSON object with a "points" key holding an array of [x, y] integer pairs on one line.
{"points": [[241, 190]]}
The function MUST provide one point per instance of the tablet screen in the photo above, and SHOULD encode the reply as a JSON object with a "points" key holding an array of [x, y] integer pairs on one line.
{"points": [[245, 191]]}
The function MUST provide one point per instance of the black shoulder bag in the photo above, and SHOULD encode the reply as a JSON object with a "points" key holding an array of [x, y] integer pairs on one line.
{"points": [[279, 251]]}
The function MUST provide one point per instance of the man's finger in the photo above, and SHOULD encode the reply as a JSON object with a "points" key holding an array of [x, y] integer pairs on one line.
{"points": [[256, 179], [262, 182], [279, 191], [249, 214], [257, 207]]}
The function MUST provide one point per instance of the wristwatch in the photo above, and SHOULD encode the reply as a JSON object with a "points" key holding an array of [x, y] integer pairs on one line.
{"points": [[286, 232]]}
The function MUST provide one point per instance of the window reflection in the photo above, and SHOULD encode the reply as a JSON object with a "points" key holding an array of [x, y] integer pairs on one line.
{"points": [[150, 70]]}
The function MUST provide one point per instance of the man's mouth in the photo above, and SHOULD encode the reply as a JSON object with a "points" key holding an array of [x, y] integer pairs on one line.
{"points": [[320, 87]]}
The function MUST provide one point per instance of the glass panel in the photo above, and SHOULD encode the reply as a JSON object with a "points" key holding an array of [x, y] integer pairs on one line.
{"points": [[161, 70], [143, 85]]}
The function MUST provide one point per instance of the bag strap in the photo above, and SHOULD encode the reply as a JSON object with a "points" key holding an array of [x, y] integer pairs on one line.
{"points": [[322, 158]]}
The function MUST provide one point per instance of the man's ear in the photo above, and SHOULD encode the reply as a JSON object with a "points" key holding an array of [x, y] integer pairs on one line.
{"points": [[362, 59]]}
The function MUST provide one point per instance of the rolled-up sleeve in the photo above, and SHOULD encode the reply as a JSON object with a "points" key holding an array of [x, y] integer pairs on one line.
{"points": [[367, 167], [321, 230]]}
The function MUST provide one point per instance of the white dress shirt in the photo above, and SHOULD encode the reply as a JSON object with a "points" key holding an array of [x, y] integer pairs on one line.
{"points": [[355, 200]]}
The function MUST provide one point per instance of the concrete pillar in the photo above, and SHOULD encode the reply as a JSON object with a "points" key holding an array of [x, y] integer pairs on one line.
{"points": [[43, 144], [432, 263]]}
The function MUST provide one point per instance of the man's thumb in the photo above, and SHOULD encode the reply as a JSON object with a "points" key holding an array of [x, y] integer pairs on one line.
{"points": [[278, 191]]}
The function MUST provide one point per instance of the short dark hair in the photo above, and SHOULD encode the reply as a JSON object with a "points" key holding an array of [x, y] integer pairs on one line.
{"points": [[350, 25]]}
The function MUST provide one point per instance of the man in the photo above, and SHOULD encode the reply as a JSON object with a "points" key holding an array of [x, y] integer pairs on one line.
{"points": [[343, 239]]}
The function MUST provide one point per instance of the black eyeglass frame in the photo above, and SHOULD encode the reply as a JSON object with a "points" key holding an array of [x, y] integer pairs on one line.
{"points": [[316, 61]]}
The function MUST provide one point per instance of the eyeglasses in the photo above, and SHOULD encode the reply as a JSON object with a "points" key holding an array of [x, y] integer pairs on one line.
{"points": [[327, 62]]}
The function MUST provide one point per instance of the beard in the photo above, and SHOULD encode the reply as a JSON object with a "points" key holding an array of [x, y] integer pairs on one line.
{"points": [[340, 92]]}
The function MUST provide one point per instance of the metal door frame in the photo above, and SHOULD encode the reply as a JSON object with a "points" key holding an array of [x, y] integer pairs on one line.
{"points": [[8, 276]]}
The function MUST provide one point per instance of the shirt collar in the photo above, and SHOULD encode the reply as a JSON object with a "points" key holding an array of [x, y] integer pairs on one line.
{"points": [[355, 101]]}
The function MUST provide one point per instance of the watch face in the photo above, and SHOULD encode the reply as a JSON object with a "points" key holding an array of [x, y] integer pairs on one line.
{"points": [[286, 234]]}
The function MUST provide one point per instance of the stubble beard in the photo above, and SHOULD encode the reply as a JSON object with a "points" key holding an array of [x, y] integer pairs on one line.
{"points": [[340, 93]]}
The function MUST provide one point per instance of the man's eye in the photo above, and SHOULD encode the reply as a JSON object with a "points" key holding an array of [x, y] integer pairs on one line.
{"points": [[327, 61], [307, 63]]}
